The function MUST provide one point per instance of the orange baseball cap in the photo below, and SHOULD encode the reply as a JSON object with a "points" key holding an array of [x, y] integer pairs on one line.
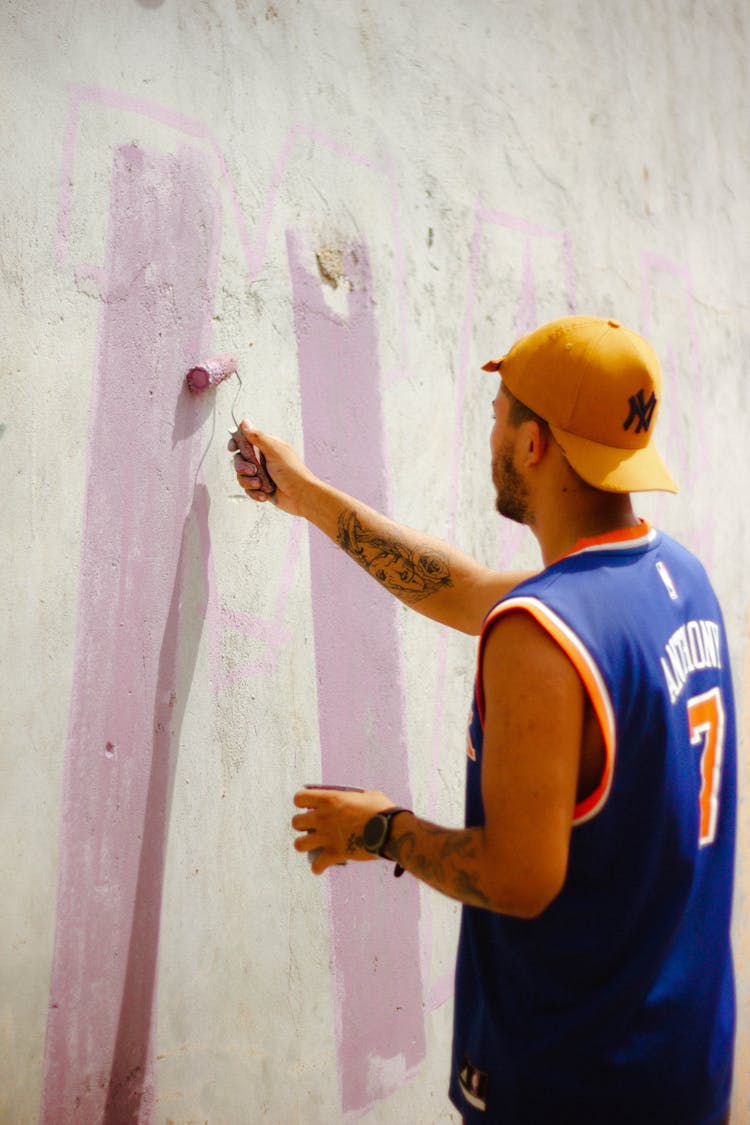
{"points": [[598, 386]]}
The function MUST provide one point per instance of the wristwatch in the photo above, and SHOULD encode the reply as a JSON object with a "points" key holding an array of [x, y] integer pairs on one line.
{"points": [[377, 833]]}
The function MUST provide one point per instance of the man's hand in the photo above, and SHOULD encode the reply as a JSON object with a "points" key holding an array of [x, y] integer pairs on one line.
{"points": [[288, 472], [333, 823]]}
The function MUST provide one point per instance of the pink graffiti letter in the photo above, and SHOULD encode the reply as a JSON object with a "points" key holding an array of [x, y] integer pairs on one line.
{"points": [[374, 917], [144, 444]]}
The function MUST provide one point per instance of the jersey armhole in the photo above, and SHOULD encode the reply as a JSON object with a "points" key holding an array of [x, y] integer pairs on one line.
{"points": [[592, 680]]}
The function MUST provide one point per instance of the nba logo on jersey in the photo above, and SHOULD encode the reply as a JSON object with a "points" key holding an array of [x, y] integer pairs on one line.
{"points": [[666, 578]]}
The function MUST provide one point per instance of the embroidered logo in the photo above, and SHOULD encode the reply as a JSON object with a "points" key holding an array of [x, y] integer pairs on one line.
{"points": [[641, 412], [666, 578]]}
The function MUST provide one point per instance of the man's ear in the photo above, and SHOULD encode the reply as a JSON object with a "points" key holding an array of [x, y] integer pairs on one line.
{"points": [[536, 442]]}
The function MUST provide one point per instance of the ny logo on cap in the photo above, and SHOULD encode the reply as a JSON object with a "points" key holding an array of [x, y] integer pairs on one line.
{"points": [[640, 412]]}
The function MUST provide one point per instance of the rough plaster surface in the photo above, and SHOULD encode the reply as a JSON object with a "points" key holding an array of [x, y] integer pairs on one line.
{"points": [[498, 163]]}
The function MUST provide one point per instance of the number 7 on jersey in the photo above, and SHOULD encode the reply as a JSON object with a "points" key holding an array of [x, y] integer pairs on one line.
{"points": [[706, 724]]}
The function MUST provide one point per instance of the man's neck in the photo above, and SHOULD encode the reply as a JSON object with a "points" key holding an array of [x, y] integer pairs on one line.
{"points": [[584, 517]]}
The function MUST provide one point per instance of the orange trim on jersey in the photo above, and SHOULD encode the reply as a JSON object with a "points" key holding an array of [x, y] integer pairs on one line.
{"points": [[591, 678], [627, 536]]}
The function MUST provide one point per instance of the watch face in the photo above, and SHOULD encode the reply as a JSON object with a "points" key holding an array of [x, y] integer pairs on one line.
{"points": [[375, 832]]}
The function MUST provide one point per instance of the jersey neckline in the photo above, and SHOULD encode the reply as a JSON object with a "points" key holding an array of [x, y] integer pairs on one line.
{"points": [[624, 538]]}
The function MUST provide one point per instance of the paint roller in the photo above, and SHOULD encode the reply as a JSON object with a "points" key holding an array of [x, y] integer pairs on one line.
{"points": [[209, 374]]}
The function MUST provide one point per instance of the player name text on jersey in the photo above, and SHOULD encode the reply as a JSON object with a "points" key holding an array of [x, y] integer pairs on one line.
{"points": [[693, 646]]}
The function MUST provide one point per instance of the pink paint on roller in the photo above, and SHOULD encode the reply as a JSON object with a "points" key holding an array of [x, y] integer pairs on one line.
{"points": [[211, 373]]}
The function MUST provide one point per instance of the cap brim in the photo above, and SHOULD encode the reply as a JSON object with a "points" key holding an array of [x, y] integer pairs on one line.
{"points": [[615, 470]]}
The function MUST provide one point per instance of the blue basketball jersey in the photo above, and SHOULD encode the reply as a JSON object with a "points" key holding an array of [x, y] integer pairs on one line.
{"points": [[616, 1005]]}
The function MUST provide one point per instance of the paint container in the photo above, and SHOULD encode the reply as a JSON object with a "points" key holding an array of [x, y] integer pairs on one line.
{"points": [[338, 788]]}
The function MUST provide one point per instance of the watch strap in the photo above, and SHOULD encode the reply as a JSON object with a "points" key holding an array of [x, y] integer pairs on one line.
{"points": [[390, 814]]}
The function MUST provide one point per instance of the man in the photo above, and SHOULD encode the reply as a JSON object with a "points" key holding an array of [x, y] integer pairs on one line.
{"points": [[594, 978]]}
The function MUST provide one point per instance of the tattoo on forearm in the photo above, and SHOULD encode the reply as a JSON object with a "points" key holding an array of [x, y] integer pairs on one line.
{"points": [[462, 844], [450, 877], [409, 574], [466, 889], [401, 847]]}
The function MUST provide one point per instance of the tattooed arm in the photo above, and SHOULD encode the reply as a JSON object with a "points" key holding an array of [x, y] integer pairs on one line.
{"points": [[410, 570], [447, 859], [332, 824], [457, 862], [424, 573], [533, 770]]}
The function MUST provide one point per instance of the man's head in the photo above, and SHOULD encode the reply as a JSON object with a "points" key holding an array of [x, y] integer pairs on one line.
{"points": [[512, 494], [597, 386]]}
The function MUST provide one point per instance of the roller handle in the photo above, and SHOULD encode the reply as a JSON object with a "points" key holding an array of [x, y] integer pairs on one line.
{"points": [[255, 457]]}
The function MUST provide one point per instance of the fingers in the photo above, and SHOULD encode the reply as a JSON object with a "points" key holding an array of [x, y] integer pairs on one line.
{"points": [[248, 479], [307, 843], [321, 837], [247, 441], [267, 484], [250, 462], [245, 468], [238, 441], [252, 475], [323, 860], [308, 799], [320, 858], [250, 434], [304, 822]]}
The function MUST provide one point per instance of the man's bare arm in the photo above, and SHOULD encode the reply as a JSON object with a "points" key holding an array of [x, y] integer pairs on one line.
{"points": [[410, 570], [516, 862], [426, 574]]}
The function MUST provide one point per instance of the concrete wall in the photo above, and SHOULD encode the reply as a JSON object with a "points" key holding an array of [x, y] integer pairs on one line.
{"points": [[365, 201]]}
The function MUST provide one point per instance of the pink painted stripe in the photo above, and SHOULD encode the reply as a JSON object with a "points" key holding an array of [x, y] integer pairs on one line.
{"points": [[374, 917], [144, 447]]}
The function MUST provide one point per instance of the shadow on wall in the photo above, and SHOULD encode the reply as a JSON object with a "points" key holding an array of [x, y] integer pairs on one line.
{"points": [[133, 1048]]}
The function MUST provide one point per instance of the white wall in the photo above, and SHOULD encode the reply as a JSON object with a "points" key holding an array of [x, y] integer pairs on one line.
{"points": [[184, 178]]}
